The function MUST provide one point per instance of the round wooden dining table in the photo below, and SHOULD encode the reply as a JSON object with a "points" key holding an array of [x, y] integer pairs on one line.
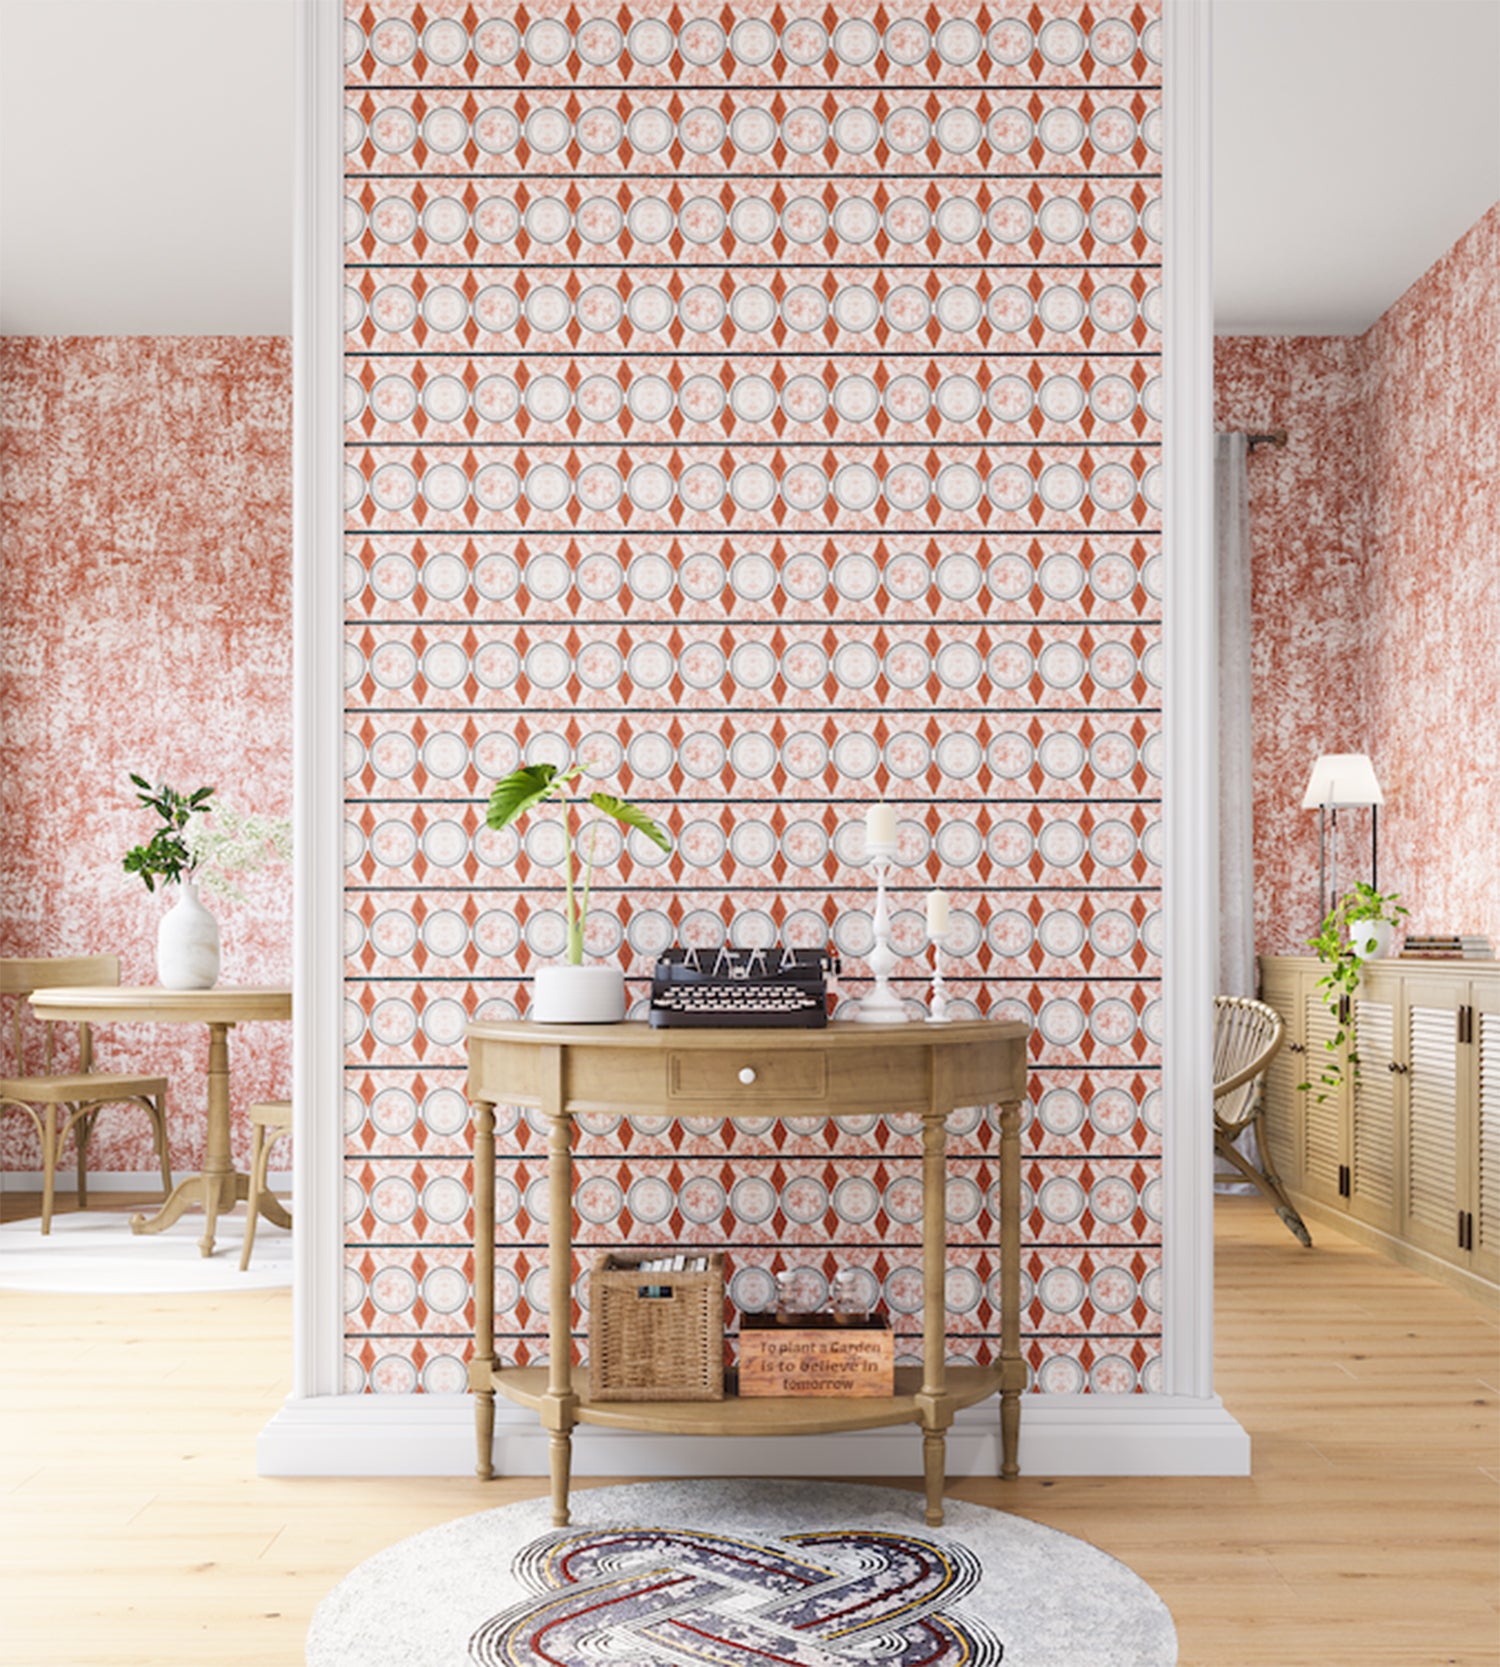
{"points": [[220, 1186]]}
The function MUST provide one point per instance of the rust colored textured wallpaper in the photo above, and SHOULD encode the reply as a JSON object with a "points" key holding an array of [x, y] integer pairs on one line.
{"points": [[1307, 602], [1431, 392], [145, 624], [1376, 591]]}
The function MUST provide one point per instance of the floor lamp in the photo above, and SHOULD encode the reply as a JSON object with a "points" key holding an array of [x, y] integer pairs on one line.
{"points": [[1341, 781]]}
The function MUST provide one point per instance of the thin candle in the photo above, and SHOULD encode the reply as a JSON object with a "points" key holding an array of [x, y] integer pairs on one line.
{"points": [[937, 913]]}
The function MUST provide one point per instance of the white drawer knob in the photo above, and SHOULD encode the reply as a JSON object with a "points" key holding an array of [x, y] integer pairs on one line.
{"points": [[747, 1074]]}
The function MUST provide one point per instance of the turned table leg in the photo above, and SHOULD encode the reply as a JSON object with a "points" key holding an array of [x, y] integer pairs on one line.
{"points": [[560, 1459], [933, 1399], [934, 1470], [482, 1368], [1012, 1367], [559, 1411], [218, 1167]]}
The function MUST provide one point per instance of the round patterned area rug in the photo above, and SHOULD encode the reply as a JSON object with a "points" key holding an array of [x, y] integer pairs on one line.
{"points": [[725, 1573]]}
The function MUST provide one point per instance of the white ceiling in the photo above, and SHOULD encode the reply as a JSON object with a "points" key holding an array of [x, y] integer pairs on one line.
{"points": [[146, 160], [1354, 141], [146, 167]]}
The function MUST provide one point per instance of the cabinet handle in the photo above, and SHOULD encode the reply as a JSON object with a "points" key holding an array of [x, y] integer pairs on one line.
{"points": [[747, 1074], [1396, 1068], [1295, 1047]]}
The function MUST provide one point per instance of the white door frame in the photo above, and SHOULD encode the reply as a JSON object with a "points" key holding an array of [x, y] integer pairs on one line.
{"points": [[318, 707], [1182, 1430]]}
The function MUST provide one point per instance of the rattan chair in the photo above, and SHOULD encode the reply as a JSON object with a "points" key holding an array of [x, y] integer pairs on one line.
{"points": [[59, 1103], [1247, 1035]]}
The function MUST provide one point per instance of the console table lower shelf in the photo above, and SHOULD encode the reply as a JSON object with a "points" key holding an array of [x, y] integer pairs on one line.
{"points": [[964, 1386], [566, 1070], [762, 1414]]}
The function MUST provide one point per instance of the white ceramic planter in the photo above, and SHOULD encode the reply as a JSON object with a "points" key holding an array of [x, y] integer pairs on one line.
{"points": [[1371, 939], [187, 943], [572, 995]]}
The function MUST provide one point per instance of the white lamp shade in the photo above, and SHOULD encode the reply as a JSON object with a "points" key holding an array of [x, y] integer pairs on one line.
{"points": [[1342, 779]]}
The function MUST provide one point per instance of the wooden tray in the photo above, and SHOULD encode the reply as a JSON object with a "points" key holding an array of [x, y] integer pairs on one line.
{"points": [[817, 1356]]}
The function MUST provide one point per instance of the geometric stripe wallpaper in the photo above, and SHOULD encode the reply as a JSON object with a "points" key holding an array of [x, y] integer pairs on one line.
{"points": [[761, 404]]}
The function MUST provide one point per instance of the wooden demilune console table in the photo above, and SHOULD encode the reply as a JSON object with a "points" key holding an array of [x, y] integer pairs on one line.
{"points": [[625, 1069]]}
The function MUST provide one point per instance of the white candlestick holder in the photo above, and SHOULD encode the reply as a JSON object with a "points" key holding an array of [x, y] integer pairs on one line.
{"points": [[937, 1004], [882, 1006]]}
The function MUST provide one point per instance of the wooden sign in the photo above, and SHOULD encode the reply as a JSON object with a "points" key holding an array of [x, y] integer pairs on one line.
{"points": [[810, 1358]]}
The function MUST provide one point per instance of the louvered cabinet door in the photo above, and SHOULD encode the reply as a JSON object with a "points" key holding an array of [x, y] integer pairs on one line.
{"points": [[1373, 1140], [1485, 1258], [1322, 1107], [1282, 1123], [1430, 1217]]}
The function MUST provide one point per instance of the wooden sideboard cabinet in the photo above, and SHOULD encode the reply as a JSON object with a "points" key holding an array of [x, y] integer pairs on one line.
{"points": [[565, 1070], [1407, 1158]]}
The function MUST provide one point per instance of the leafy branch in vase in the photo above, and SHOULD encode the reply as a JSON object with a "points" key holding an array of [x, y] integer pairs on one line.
{"points": [[167, 855]]}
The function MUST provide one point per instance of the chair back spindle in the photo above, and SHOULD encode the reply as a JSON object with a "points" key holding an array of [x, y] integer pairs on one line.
{"points": [[21, 975], [67, 1102]]}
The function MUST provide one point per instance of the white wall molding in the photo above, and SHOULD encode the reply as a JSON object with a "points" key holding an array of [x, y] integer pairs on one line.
{"points": [[1190, 865], [318, 473], [1061, 1435]]}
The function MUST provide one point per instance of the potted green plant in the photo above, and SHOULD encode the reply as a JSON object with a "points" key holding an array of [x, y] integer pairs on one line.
{"points": [[1358, 928], [571, 993], [187, 938]]}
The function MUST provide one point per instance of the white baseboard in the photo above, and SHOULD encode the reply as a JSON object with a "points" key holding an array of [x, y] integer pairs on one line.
{"points": [[114, 1180], [1061, 1435]]}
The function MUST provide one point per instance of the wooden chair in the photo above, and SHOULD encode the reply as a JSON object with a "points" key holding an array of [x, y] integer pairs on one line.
{"points": [[59, 1103], [269, 1121], [1247, 1035]]}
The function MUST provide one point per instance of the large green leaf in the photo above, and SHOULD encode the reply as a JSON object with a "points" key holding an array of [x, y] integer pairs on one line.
{"points": [[520, 790], [622, 811]]}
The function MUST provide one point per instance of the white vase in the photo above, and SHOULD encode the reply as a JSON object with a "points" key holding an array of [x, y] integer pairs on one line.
{"points": [[569, 995], [187, 943], [1371, 939]]}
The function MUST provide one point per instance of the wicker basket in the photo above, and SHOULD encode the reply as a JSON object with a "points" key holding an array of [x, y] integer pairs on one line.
{"points": [[656, 1336]]}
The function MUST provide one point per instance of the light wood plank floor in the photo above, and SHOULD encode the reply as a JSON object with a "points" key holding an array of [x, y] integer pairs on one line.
{"points": [[134, 1533]]}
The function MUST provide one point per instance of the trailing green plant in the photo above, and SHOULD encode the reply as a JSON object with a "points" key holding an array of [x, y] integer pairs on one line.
{"points": [[167, 856], [535, 784], [1334, 947]]}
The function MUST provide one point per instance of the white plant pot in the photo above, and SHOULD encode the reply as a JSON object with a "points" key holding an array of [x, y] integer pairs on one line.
{"points": [[569, 995], [187, 943], [1371, 939]]}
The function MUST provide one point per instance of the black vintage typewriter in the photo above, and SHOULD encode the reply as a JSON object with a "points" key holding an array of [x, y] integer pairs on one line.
{"points": [[734, 987]]}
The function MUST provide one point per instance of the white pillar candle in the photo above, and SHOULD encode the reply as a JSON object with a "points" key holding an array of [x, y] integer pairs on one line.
{"points": [[937, 913], [880, 825]]}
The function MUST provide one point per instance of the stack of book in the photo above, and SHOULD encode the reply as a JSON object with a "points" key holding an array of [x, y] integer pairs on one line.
{"points": [[673, 1264], [1456, 947]]}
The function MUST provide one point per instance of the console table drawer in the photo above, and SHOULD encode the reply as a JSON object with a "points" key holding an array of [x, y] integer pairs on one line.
{"points": [[747, 1074]]}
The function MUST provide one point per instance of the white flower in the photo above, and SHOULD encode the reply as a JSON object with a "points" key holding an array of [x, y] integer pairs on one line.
{"points": [[228, 843]]}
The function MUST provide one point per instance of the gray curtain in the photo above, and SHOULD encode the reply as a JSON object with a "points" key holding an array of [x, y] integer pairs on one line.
{"points": [[1236, 856], [1236, 852]]}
